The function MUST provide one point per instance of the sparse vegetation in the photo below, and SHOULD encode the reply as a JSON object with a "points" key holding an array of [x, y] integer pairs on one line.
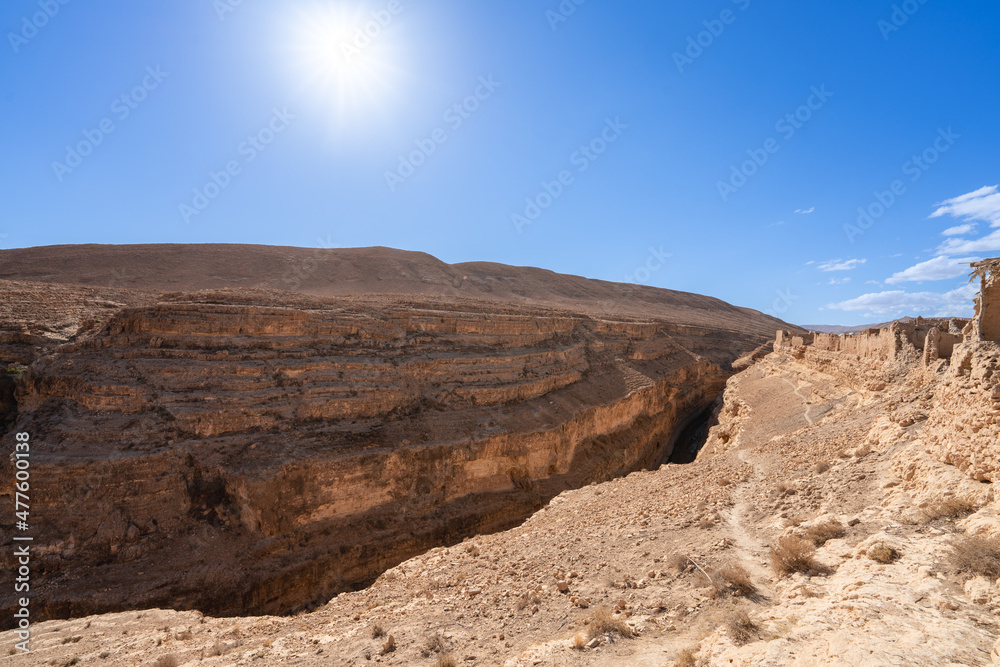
{"points": [[678, 562], [604, 622], [949, 507], [793, 554], [579, 641], [433, 644], [821, 533], [733, 580], [446, 661], [686, 658], [742, 628], [378, 631], [883, 553], [167, 661], [975, 554], [785, 489], [821, 468]]}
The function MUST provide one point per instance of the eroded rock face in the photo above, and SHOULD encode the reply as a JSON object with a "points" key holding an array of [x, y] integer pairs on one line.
{"points": [[252, 452]]}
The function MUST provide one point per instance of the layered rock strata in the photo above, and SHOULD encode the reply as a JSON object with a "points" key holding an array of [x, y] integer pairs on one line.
{"points": [[254, 452]]}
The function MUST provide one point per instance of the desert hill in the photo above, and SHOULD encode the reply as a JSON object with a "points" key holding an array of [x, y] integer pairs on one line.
{"points": [[362, 271]]}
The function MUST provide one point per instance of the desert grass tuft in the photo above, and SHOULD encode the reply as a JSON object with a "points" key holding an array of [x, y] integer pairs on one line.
{"points": [[793, 554], [949, 507], [975, 554], [604, 622], [686, 658], [821, 533], [883, 553], [742, 628], [733, 580]]}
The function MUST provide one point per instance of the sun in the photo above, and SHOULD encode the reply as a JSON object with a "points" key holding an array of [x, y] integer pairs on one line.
{"points": [[346, 56]]}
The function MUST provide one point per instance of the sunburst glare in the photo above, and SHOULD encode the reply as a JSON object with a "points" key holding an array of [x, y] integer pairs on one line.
{"points": [[347, 57]]}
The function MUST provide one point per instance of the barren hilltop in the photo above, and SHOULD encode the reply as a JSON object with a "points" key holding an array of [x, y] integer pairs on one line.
{"points": [[481, 476]]}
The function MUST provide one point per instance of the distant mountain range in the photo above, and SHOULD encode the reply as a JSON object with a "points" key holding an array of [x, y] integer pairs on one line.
{"points": [[831, 328]]}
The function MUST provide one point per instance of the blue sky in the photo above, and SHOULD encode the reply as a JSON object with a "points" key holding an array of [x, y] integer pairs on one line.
{"points": [[803, 159]]}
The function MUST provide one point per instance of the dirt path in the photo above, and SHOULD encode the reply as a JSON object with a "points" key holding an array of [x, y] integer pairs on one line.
{"points": [[751, 551], [805, 400]]}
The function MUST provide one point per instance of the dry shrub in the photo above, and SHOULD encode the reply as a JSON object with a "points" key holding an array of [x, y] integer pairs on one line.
{"points": [[579, 641], [949, 507], [975, 554], [678, 562], [742, 628], [167, 661], [378, 631], [446, 661], [389, 646], [706, 521], [794, 554], [686, 658], [604, 622], [821, 533], [821, 468], [883, 553], [733, 580], [433, 644], [785, 489]]}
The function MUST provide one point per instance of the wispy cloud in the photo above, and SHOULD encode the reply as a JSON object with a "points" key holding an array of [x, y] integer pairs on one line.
{"points": [[982, 204], [779, 223], [841, 265], [939, 268], [986, 244], [839, 281], [805, 211], [959, 230], [957, 303]]}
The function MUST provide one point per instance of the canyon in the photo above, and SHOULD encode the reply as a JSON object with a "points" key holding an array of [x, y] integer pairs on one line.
{"points": [[874, 454], [259, 450]]}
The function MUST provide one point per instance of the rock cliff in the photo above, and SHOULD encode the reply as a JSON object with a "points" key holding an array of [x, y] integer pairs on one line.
{"points": [[257, 451]]}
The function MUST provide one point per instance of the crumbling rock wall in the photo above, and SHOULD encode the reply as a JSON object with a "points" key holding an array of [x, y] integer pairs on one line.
{"points": [[963, 424]]}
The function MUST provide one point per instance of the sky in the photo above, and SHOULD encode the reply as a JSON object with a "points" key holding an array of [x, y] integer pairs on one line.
{"points": [[826, 163]]}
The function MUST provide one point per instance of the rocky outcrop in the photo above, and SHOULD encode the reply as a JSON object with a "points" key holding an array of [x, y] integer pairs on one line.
{"points": [[959, 358], [255, 452]]}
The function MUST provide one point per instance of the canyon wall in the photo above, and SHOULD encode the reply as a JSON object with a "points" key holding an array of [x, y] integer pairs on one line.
{"points": [[256, 452]]}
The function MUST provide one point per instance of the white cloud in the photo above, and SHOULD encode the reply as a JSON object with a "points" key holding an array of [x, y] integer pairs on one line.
{"points": [[810, 262], [779, 223], [839, 281], [841, 265], [959, 230], [805, 211], [939, 268], [986, 244], [983, 204], [956, 303]]}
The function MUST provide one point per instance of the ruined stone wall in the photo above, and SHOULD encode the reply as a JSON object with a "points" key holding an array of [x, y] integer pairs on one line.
{"points": [[964, 427]]}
